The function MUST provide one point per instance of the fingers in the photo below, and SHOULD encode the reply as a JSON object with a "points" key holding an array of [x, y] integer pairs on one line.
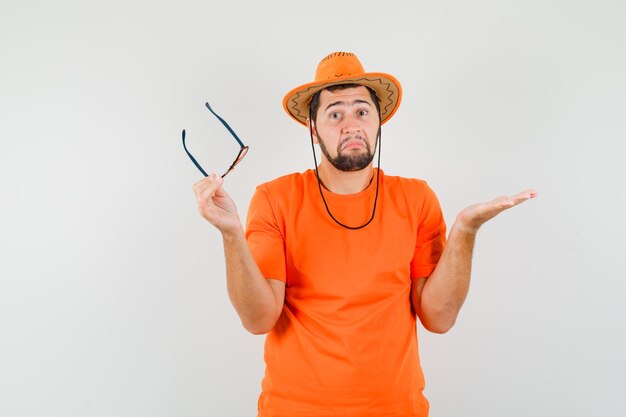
{"points": [[499, 204], [472, 217], [206, 188], [215, 205], [524, 196], [510, 201], [528, 194], [213, 181]]}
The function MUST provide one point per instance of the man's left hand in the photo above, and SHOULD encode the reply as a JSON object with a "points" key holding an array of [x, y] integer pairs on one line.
{"points": [[472, 217]]}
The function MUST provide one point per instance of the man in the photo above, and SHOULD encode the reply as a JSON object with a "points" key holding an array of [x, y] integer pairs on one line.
{"points": [[337, 262]]}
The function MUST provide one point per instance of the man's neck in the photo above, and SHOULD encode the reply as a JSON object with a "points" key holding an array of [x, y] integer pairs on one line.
{"points": [[341, 182]]}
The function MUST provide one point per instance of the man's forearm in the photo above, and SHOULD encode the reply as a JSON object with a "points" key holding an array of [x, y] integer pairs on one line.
{"points": [[438, 300], [250, 293], [445, 290]]}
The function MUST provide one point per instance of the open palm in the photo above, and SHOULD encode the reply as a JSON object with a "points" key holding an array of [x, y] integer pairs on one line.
{"points": [[472, 217]]}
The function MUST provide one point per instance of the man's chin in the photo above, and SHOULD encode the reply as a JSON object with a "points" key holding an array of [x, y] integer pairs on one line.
{"points": [[352, 164]]}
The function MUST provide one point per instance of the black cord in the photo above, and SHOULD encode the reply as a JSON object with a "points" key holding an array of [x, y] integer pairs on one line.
{"points": [[319, 183]]}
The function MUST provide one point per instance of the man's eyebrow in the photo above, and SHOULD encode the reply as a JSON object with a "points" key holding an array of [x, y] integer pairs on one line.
{"points": [[337, 103]]}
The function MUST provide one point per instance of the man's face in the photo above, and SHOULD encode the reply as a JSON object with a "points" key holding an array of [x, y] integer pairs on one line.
{"points": [[346, 128]]}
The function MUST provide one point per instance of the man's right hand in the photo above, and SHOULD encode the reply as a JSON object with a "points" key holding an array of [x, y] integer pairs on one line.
{"points": [[215, 205]]}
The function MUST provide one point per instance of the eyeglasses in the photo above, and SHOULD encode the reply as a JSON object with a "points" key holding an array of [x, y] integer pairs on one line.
{"points": [[242, 151]]}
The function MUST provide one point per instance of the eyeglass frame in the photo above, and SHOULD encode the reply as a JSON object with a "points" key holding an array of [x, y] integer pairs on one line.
{"points": [[242, 151]]}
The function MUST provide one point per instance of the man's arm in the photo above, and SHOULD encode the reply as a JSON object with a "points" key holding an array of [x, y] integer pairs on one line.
{"points": [[258, 301], [437, 299]]}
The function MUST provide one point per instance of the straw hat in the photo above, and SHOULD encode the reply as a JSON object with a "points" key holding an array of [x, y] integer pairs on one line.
{"points": [[344, 68]]}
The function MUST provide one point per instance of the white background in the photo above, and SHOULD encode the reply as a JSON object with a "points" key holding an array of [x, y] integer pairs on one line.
{"points": [[112, 288]]}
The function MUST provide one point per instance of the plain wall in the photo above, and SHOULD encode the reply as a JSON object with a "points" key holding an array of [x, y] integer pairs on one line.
{"points": [[112, 289]]}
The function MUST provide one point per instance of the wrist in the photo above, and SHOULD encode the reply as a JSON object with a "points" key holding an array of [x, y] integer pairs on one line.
{"points": [[233, 233], [463, 227]]}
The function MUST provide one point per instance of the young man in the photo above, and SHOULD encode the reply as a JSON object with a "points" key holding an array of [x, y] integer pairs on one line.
{"points": [[337, 262]]}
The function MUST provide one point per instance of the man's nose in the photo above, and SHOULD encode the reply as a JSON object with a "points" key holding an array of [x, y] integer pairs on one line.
{"points": [[351, 126]]}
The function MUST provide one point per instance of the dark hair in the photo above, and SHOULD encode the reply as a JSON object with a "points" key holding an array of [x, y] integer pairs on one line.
{"points": [[315, 100]]}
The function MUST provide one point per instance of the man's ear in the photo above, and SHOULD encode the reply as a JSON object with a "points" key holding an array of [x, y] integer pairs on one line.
{"points": [[310, 123]]}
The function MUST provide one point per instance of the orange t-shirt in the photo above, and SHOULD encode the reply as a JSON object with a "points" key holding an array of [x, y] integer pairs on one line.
{"points": [[346, 341]]}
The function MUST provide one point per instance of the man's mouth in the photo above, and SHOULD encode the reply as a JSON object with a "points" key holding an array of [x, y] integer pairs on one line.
{"points": [[352, 143]]}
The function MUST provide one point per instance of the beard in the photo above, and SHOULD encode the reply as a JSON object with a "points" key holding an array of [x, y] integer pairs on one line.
{"points": [[348, 161]]}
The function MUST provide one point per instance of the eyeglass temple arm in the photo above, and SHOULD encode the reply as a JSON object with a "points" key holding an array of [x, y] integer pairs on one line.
{"points": [[192, 158], [232, 132]]}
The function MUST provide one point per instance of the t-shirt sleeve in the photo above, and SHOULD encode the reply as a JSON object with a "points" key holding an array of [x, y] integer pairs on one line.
{"points": [[265, 237], [431, 236]]}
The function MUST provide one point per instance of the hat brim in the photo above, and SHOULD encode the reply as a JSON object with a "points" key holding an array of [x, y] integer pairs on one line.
{"points": [[296, 102]]}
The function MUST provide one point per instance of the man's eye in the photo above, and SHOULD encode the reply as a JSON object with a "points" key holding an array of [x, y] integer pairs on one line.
{"points": [[335, 115], [363, 112]]}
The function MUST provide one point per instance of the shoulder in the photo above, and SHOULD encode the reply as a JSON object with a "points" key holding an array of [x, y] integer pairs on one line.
{"points": [[404, 184], [284, 191], [410, 192], [285, 182]]}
